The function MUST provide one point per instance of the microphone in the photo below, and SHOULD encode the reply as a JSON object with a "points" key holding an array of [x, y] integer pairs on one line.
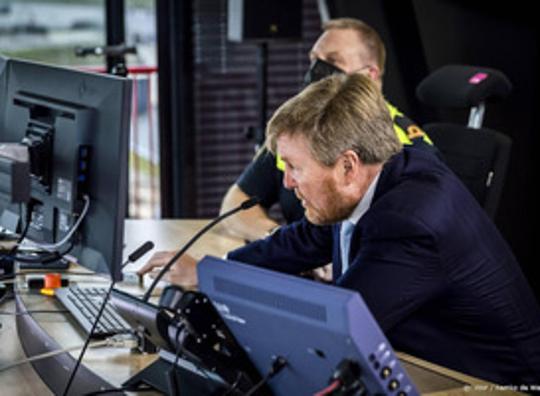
{"points": [[137, 254], [248, 203]]}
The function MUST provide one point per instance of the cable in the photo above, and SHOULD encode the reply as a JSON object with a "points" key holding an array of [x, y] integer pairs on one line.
{"points": [[248, 203], [49, 258], [235, 385], [173, 384], [131, 258], [52, 256], [29, 209], [68, 236], [277, 365], [28, 220], [50, 354], [13, 251], [34, 312], [181, 352], [329, 389], [87, 342], [117, 341]]}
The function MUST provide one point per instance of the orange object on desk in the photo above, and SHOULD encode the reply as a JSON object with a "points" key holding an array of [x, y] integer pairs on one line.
{"points": [[52, 281]]}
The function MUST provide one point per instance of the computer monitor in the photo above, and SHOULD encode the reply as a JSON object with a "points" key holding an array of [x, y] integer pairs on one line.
{"points": [[312, 325], [76, 125]]}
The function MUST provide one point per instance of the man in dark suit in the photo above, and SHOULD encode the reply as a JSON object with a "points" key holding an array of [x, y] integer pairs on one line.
{"points": [[348, 46], [402, 230]]}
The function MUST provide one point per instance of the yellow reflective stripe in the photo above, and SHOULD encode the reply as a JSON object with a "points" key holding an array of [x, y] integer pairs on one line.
{"points": [[280, 164], [413, 131], [402, 136], [393, 111]]}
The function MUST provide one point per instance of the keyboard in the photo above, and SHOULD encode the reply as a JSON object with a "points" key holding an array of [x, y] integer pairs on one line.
{"points": [[84, 304]]}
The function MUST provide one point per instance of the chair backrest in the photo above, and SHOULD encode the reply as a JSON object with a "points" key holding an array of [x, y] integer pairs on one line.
{"points": [[479, 156]]}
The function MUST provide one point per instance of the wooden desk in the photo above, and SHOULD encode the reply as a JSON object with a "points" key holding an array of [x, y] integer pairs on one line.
{"points": [[115, 365]]}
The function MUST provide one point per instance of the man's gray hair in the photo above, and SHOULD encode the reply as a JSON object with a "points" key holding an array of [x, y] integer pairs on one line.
{"points": [[339, 113]]}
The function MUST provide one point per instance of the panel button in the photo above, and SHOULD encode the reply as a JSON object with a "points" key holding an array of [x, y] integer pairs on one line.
{"points": [[385, 372], [393, 385]]}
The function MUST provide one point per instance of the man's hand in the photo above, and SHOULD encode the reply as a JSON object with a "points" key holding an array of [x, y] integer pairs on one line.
{"points": [[183, 272]]}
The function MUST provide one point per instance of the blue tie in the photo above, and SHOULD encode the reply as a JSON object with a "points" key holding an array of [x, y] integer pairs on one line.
{"points": [[347, 228]]}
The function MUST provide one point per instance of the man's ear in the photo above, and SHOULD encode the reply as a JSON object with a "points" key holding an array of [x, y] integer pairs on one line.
{"points": [[374, 72], [350, 163]]}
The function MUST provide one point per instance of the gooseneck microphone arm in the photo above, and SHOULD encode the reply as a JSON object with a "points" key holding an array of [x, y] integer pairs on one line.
{"points": [[137, 254], [243, 206]]}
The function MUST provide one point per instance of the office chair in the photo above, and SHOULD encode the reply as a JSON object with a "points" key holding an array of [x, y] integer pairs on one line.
{"points": [[479, 156]]}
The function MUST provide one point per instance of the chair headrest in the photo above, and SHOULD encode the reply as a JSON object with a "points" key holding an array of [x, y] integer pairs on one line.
{"points": [[459, 86]]}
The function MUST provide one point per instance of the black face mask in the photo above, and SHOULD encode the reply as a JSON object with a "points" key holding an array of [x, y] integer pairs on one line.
{"points": [[319, 70]]}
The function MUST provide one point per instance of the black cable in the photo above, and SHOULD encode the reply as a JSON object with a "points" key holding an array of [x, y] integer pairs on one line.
{"points": [[29, 210], [50, 257], [248, 203], [13, 252], [235, 385], [87, 341], [277, 365], [10, 276], [180, 352], [28, 221], [53, 256], [258, 385], [132, 257], [173, 384]]}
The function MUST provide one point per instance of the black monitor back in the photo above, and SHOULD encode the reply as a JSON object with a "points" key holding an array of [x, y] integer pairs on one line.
{"points": [[85, 119]]}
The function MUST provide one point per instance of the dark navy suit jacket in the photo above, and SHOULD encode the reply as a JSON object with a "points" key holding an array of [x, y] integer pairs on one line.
{"points": [[434, 270]]}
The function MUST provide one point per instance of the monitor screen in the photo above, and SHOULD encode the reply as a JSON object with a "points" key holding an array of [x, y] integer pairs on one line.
{"points": [[76, 126], [313, 326]]}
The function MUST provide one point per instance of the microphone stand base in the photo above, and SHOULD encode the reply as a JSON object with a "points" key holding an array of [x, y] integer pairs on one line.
{"points": [[191, 380]]}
